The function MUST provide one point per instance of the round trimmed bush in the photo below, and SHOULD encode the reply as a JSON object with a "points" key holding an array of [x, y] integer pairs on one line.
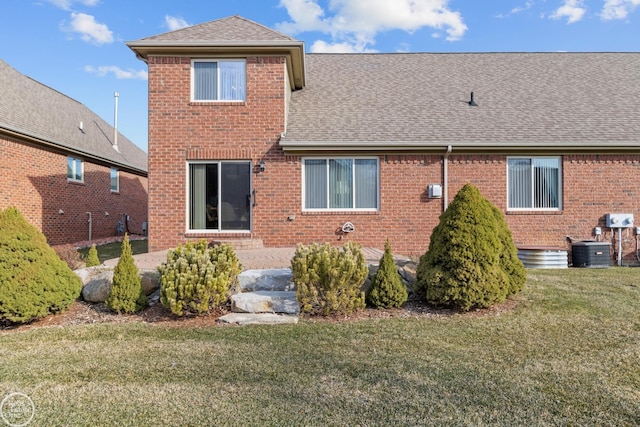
{"points": [[34, 281], [329, 279], [196, 279], [472, 260]]}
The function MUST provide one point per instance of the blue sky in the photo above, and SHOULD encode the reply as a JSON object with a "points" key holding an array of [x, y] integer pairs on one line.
{"points": [[77, 46]]}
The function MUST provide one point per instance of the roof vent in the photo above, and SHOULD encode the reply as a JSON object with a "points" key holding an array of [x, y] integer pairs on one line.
{"points": [[472, 103]]}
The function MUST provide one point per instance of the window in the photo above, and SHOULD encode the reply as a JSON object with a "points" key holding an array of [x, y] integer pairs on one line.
{"points": [[340, 184], [219, 196], [115, 180], [534, 183], [221, 80], [74, 169]]}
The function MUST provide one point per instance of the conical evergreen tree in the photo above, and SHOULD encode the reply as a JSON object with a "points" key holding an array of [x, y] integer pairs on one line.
{"points": [[472, 260], [92, 257], [126, 294], [387, 289], [34, 281]]}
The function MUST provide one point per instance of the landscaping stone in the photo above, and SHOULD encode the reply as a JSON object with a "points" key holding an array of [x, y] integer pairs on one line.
{"points": [[265, 302], [257, 318], [277, 279], [97, 282]]}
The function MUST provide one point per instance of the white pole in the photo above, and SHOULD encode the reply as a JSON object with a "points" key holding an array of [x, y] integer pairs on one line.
{"points": [[115, 121]]}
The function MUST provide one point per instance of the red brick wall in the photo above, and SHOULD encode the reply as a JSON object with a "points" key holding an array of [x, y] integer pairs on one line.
{"points": [[180, 131], [34, 180]]}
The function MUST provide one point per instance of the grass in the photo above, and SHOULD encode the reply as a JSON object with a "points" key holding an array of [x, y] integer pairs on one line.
{"points": [[114, 250], [567, 355]]}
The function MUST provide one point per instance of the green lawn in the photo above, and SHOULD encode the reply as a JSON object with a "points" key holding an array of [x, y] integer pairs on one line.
{"points": [[568, 354], [114, 250]]}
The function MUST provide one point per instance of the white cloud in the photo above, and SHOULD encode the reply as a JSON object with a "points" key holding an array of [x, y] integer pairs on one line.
{"points": [[618, 9], [573, 10], [119, 73], [175, 23], [89, 30], [66, 4], [354, 24]]}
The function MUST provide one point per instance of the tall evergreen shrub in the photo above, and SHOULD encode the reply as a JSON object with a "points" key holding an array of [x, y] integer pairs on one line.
{"points": [[472, 260], [34, 281], [126, 294], [387, 289]]}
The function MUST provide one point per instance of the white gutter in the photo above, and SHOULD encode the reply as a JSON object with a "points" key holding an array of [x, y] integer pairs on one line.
{"points": [[445, 178]]}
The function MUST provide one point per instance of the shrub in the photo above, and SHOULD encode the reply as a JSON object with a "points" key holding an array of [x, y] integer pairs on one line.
{"points": [[472, 260], [70, 256], [196, 279], [34, 281], [387, 289], [126, 294], [92, 257], [328, 280]]}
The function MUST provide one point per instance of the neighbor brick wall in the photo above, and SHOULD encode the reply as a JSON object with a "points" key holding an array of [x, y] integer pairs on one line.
{"points": [[34, 180], [180, 130]]}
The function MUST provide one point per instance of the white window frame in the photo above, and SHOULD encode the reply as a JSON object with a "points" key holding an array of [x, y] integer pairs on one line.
{"points": [[218, 80], [329, 209], [76, 163], [117, 172], [559, 189]]}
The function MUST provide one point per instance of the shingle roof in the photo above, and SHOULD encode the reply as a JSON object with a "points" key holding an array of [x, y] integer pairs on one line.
{"points": [[231, 29], [34, 110], [421, 100]]}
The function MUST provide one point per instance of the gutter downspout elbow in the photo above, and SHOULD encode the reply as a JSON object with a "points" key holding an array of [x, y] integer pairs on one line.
{"points": [[445, 178]]}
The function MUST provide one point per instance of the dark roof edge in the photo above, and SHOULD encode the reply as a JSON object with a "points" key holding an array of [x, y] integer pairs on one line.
{"points": [[387, 147], [15, 133]]}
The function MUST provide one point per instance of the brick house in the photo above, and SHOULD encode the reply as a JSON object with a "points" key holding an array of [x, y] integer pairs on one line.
{"points": [[60, 167], [252, 138]]}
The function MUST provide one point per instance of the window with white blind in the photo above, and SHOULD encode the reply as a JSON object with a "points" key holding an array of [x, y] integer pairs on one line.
{"points": [[341, 184], [534, 183], [115, 180], [218, 80]]}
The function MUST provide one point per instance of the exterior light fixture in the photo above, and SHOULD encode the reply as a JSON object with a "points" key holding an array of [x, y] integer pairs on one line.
{"points": [[262, 166]]}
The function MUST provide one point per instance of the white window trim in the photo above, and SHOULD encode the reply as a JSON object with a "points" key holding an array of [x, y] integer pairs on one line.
{"points": [[560, 185], [193, 86], [117, 189], [75, 163], [188, 230], [303, 180]]}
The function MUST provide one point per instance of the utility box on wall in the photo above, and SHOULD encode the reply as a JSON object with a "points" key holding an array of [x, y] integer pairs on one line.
{"points": [[435, 191], [591, 254]]}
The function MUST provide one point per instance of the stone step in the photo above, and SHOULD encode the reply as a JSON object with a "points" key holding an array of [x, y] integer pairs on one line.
{"points": [[258, 318], [265, 302], [241, 244], [276, 279]]}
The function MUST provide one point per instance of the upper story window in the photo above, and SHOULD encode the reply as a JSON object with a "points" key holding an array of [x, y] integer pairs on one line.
{"points": [[115, 180], [218, 80], [534, 183], [341, 184], [75, 170]]}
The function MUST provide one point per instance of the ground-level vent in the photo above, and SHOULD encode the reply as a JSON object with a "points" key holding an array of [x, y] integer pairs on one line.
{"points": [[591, 254], [543, 257]]}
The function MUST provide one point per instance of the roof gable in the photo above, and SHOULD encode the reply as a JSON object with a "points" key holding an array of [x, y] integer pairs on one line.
{"points": [[34, 111], [231, 29]]}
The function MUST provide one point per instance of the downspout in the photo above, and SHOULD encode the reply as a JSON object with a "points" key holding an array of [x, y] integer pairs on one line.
{"points": [[445, 178], [90, 224]]}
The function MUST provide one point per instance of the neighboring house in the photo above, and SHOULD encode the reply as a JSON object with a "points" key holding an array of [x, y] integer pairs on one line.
{"points": [[59, 165], [251, 138]]}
